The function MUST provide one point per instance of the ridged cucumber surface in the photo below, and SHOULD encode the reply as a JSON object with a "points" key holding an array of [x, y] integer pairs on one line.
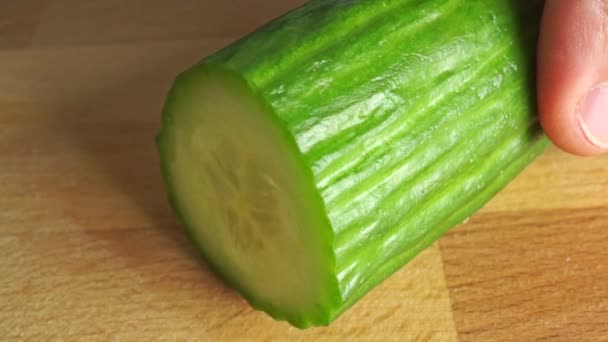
{"points": [[316, 156]]}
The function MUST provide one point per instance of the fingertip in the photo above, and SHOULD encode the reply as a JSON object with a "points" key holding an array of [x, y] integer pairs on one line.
{"points": [[571, 62], [578, 131], [593, 116], [569, 135]]}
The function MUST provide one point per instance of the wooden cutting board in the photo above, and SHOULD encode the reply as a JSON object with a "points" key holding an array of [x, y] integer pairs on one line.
{"points": [[89, 249]]}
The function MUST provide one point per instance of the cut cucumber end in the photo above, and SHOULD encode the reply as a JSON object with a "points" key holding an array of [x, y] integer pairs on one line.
{"points": [[246, 198], [314, 157]]}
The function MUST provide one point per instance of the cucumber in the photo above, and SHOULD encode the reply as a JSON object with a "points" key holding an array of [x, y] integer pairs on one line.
{"points": [[316, 156]]}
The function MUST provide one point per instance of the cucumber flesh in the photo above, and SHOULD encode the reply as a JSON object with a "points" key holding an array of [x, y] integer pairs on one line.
{"points": [[239, 183], [316, 156]]}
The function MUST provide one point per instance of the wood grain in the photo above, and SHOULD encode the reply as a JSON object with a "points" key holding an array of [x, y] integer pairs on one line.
{"points": [[532, 264], [19, 21], [90, 250]]}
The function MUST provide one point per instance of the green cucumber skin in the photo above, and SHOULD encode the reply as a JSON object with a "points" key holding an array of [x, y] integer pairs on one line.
{"points": [[411, 115]]}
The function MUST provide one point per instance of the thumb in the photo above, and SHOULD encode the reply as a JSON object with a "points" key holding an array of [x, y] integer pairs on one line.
{"points": [[573, 75]]}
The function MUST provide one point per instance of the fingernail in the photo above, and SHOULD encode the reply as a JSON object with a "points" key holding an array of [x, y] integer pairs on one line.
{"points": [[593, 116]]}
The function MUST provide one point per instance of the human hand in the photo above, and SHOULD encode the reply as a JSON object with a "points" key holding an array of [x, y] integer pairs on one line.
{"points": [[573, 75]]}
